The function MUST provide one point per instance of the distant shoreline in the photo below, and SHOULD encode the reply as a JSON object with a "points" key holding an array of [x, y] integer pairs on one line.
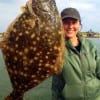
{"points": [[85, 34], [90, 35]]}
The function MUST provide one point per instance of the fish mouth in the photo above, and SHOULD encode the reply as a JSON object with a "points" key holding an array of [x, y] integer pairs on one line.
{"points": [[35, 7], [41, 5], [40, 1]]}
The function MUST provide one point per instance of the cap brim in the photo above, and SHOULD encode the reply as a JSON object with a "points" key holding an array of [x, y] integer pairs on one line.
{"points": [[65, 17]]}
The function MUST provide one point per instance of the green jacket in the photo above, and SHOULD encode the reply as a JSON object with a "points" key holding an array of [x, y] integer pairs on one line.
{"points": [[80, 77]]}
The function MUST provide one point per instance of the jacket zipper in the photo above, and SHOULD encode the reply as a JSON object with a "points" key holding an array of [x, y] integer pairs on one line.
{"points": [[83, 77]]}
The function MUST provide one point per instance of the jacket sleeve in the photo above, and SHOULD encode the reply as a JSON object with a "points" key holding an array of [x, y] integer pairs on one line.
{"points": [[97, 65], [57, 86]]}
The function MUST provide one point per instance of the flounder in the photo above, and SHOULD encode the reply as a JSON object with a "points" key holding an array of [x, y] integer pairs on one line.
{"points": [[33, 46]]}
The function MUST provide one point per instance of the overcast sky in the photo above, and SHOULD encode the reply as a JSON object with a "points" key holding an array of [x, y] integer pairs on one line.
{"points": [[89, 10]]}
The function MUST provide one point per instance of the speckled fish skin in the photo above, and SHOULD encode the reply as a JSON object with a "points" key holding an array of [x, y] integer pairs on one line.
{"points": [[34, 48]]}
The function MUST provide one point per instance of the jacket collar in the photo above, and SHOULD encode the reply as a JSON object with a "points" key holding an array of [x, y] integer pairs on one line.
{"points": [[70, 46]]}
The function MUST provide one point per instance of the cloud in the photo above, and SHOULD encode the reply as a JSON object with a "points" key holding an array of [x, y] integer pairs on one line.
{"points": [[15, 3], [6, 1], [82, 6], [61, 4], [8, 12]]}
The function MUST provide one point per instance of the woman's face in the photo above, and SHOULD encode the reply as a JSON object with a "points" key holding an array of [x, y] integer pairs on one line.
{"points": [[71, 27]]}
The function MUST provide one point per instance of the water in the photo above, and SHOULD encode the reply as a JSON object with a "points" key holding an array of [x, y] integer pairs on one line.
{"points": [[96, 41], [41, 92]]}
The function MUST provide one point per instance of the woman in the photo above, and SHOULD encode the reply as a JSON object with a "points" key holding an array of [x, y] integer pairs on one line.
{"points": [[80, 77]]}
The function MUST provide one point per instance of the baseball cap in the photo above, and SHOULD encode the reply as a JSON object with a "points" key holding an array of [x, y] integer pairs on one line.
{"points": [[70, 13]]}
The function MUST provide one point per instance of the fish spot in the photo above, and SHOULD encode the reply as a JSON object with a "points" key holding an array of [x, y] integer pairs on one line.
{"points": [[55, 48], [39, 69], [26, 50], [14, 30], [24, 57], [15, 58], [21, 19], [25, 68], [49, 40], [25, 86], [55, 69], [31, 48], [28, 28], [17, 51], [53, 61], [25, 63], [11, 49], [15, 83], [15, 72], [34, 42], [14, 67], [33, 76], [5, 46], [41, 60], [40, 64], [35, 58], [24, 25], [17, 38], [7, 54], [46, 57], [20, 87], [22, 73], [31, 61], [20, 34], [25, 75], [51, 49], [35, 80], [34, 49], [27, 32], [16, 45], [32, 36], [48, 71], [37, 38], [47, 28], [20, 53], [38, 54], [48, 53], [52, 66], [47, 65]]}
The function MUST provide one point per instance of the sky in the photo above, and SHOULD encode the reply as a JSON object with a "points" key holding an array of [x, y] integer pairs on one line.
{"points": [[89, 11]]}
